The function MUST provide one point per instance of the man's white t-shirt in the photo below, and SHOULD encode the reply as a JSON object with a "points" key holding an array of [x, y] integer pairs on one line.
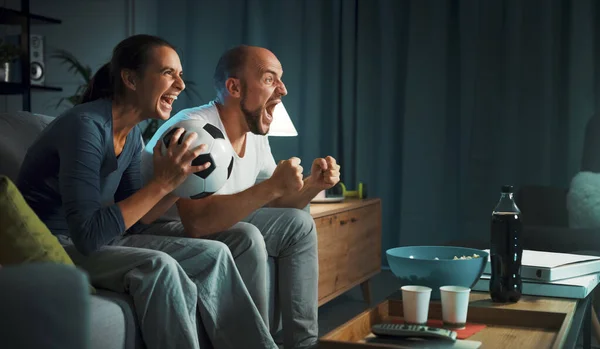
{"points": [[257, 164]]}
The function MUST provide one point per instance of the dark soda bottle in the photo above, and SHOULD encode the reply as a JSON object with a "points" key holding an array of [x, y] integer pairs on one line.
{"points": [[506, 250]]}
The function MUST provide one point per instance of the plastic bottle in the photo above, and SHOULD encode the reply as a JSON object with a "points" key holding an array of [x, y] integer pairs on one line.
{"points": [[506, 250]]}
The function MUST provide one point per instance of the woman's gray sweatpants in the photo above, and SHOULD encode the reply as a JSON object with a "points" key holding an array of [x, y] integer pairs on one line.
{"points": [[288, 235], [172, 280]]}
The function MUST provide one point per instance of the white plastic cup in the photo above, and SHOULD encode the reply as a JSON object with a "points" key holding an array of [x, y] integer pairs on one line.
{"points": [[415, 301], [455, 305]]}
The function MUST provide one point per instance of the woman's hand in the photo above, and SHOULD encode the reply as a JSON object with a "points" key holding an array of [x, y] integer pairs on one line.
{"points": [[172, 168]]}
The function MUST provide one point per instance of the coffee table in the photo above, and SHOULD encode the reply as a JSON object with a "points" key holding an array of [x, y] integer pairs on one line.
{"points": [[533, 322]]}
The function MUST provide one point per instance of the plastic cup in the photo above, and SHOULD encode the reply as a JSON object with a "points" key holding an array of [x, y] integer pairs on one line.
{"points": [[455, 305], [415, 301]]}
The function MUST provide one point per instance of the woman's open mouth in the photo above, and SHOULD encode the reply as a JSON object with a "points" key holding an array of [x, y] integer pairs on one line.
{"points": [[167, 100]]}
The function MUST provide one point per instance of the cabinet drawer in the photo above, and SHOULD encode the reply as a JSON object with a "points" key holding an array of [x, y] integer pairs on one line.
{"points": [[332, 249], [349, 241], [362, 228]]}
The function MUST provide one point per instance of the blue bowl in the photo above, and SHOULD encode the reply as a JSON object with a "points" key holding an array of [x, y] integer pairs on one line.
{"points": [[417, 265]]}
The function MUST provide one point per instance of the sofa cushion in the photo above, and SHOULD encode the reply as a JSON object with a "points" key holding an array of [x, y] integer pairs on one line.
{"points": [[114, 314], [23, 236], [17, 132], [583, 200]]}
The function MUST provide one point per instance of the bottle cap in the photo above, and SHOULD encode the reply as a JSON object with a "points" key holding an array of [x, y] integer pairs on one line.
{"points": [[507, 188]]}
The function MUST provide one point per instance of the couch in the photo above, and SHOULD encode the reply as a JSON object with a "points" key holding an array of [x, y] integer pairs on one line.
{"points": [[113, 323], [545, 215], [546, 223], [44, 305]]}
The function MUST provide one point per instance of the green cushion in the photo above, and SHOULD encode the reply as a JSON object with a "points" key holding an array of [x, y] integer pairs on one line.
{"points": [[24, 238]]}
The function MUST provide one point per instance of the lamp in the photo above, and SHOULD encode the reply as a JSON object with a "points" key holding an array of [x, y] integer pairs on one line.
{"points": [[282, 125]]}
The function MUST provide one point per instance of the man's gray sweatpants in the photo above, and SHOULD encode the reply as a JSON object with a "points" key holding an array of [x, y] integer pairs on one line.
{"points": [[172, 281], [289, 235]]}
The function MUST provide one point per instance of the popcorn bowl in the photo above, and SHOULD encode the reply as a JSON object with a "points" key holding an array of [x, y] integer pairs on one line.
{"points": [[436, 266]]}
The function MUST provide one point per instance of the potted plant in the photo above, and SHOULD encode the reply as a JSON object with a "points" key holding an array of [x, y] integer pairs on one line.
{"points": [[8, 53], [78, 68]]}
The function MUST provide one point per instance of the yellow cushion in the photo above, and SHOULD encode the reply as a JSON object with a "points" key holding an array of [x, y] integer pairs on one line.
{"points": [[24, 237]]}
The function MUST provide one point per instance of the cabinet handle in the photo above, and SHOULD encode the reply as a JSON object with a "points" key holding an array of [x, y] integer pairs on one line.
{"points": [[352, 220]]}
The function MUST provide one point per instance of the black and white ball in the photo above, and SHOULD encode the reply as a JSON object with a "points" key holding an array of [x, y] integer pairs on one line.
{"points": [[219, 153]]}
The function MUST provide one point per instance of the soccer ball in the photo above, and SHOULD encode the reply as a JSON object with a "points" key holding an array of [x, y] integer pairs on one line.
{"points": [[219, 153]]}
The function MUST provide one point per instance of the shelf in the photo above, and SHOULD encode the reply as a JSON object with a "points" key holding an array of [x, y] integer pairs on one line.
{"points": [[15, 88], [46, 88], [24, 19], [8, 16]]}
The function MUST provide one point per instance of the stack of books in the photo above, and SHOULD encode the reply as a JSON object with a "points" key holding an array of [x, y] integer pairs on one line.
{"points": [[553, 274]]}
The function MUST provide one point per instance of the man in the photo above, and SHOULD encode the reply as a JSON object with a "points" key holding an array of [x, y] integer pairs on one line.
{"points": [[259, 211]]}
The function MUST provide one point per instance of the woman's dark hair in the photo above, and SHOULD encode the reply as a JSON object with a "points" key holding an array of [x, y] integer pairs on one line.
{"points": [[131, 53]]}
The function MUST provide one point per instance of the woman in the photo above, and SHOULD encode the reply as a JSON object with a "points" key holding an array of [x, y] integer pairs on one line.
{"points": [[82, 178]]}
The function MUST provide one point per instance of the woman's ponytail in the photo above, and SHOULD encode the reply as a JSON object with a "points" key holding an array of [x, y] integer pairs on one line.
{"points": [[100, 86]]}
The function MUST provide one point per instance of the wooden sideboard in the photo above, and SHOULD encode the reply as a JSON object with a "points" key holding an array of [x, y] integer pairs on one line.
{"points": [[349, 237]]}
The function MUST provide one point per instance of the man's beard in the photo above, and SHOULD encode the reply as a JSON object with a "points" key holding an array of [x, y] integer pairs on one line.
{"points": [[252, 116]]}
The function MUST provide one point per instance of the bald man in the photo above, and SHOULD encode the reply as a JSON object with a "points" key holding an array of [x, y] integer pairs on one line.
{"points": [[260, 211]]}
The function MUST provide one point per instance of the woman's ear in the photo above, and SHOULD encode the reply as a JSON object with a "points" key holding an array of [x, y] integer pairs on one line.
{"points": [[129, 78]]}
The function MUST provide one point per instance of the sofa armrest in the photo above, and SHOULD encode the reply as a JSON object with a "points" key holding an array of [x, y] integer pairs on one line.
{"points": [[44, 305], [557, 239]]}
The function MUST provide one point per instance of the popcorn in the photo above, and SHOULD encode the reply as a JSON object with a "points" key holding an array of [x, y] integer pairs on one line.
{"points": [[475, 255]]}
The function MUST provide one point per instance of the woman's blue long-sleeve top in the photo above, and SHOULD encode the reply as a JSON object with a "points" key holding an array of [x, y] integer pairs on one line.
{"points": [[72, 179]]}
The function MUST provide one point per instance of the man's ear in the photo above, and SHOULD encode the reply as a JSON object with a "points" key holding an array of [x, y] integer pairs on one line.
{"points": [[233, 87], [129, 78]]}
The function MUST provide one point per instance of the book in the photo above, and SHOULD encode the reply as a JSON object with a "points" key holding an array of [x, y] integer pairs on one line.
{"points": [[551, 266], [577, 287]]}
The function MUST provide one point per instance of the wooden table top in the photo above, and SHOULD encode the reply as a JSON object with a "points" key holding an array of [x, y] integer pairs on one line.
{"points": [[528, 323], [318, 210], [533, 322]]}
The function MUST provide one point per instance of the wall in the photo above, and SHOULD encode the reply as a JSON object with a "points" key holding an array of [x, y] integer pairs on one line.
{"points": [[89, 30]]}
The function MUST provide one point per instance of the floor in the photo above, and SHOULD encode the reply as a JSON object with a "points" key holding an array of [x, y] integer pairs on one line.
{"points": [[351, 303]]}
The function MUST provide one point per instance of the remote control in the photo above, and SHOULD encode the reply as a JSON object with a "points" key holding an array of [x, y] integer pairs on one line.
{"points": [[399, 330]]}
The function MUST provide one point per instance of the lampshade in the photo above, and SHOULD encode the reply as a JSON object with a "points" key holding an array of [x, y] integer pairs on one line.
{"points": [[282, 125]]}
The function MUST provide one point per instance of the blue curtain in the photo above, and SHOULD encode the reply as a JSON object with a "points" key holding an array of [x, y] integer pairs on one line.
{"points": [[433, 104]]}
